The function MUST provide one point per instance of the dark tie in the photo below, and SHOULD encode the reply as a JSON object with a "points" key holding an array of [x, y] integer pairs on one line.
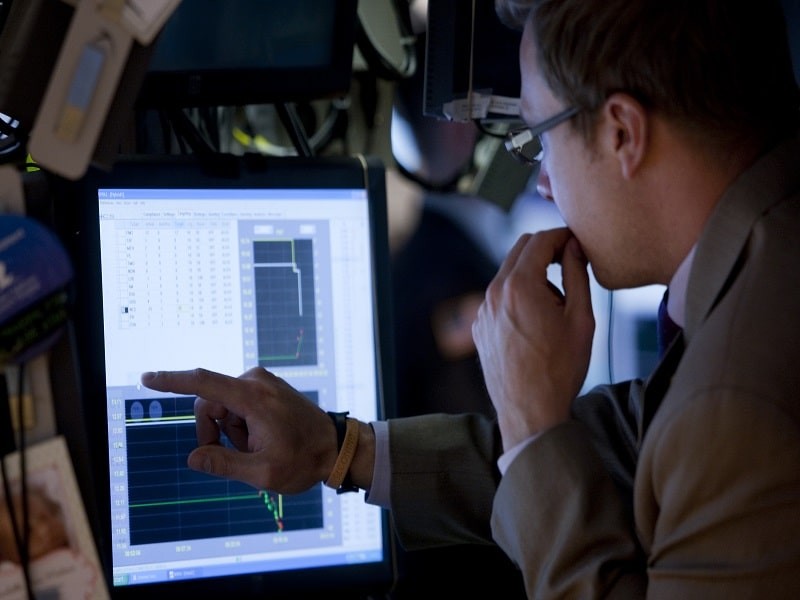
{"points": [[666, 329]]}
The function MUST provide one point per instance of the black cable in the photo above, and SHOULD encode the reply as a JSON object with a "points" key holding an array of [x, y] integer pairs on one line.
{"points": [[290, 120], [23, 470], [7, 438], [403, 11], [446, 187], [610, 339], [339, 121], [166, 131], [21, 531], [182, 147], [368, 98], [204, 124], [187, 131], [332, 125], [210, 119]]}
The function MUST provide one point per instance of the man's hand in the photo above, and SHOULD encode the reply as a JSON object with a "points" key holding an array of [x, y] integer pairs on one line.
{"points": [[284, 442], [533, 341]]}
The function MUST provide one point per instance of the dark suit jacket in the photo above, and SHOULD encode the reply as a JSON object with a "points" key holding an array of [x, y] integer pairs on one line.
{"points": [[686, 485]]}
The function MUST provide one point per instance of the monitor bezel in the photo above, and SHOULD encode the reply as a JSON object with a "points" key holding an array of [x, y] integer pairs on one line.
{"points": [[198, 87], [78, 217]]}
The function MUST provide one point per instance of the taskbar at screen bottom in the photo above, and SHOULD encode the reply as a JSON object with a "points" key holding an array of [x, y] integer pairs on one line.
{"points": [[150, 574]]}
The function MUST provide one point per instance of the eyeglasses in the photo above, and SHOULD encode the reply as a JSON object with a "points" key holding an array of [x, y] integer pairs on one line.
{"points": [[519, 142]]}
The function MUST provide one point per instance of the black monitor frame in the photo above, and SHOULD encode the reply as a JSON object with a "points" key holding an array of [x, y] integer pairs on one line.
{"points": [[77, 217], [198, 85]]}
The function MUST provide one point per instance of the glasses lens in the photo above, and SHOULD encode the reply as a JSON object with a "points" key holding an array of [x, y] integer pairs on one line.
{"points": [[525, 146]]}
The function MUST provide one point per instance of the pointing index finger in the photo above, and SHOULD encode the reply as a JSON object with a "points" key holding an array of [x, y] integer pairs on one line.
{"points": [[211, 386]]}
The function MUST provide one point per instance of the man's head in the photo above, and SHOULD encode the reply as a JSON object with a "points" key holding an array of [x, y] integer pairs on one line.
{"points": [[722, 68], [673, 100]]}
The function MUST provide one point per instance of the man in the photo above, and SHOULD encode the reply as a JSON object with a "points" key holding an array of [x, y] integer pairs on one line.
{"points": [[671, 150]]}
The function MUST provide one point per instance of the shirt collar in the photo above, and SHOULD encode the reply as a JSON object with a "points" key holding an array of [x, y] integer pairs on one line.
{"points": [[676, 302]]}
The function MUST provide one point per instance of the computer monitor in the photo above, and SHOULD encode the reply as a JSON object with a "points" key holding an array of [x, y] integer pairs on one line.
{"points": [[471, 63], [239, 52], [227, 264]]}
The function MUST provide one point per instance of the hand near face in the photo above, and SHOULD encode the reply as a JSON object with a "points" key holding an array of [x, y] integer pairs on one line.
{"points": [[533, 341], [284, 442]]}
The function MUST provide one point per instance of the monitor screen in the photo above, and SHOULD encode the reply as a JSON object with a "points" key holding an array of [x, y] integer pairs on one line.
{"points": [[238, 52], [229, 265]]}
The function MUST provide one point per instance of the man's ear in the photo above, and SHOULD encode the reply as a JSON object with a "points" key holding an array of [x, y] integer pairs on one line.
{"points": [[626, 131]]}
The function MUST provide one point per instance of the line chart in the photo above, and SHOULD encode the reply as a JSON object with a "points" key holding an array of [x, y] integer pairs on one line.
{"points": [[284, 297], [169, 502]]}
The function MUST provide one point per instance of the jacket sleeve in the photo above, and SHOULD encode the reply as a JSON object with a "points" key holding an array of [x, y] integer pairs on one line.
{"points": [[560, 516], [444, 476], [444, 467]]}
